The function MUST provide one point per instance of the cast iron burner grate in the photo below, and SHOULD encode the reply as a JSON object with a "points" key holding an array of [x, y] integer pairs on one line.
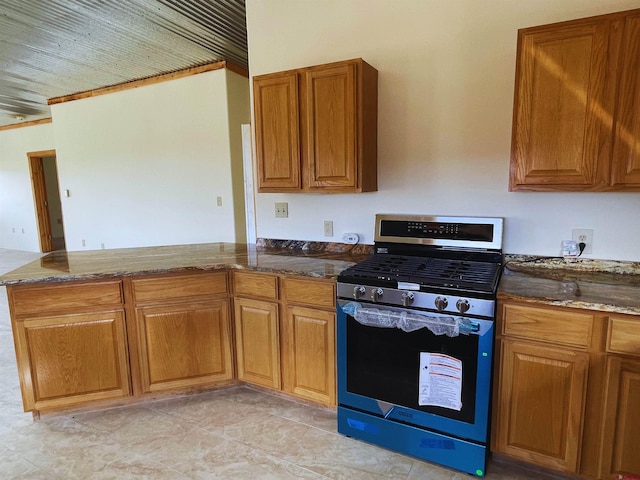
{"points": [[426, 272]]}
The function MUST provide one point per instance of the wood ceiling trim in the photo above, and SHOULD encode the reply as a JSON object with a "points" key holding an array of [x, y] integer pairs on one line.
{"points": [[30, 123], [150, 81]]}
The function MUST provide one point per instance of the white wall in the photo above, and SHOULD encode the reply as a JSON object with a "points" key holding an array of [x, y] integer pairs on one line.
{"points": [[18, 225], [145, 166], [446, 76]]}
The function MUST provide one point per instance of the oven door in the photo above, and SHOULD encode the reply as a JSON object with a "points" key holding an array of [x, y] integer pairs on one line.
{"points": [[416, 377]]}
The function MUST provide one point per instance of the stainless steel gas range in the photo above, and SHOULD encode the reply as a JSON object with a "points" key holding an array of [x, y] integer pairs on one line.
{"points": [[415, 338]]}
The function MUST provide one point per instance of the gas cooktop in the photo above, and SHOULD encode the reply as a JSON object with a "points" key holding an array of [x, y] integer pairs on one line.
{"points": [[424, 273]]}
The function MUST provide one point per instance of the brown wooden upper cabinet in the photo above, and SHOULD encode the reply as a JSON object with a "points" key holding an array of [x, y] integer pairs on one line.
{"points": [[316, 128], [576, 119]]}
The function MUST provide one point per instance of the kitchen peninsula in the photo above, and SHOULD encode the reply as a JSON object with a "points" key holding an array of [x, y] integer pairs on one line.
{"points": [[114, 326]]}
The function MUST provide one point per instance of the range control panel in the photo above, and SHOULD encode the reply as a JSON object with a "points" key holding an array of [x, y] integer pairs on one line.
{"points": [[480, 232]]}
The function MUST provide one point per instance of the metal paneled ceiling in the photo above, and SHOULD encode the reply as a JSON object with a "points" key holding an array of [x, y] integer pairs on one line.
{"points": [[52, 48]]}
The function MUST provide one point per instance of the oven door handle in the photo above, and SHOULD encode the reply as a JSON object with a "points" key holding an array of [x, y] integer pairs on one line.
{"points": [[410, 320], [468, 325]]}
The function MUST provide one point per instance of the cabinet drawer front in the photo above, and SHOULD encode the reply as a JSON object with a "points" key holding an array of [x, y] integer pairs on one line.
{"points": [[623, 336], [557, 326], [309, 292], [255, 284], [173, 287], [64, 296]]}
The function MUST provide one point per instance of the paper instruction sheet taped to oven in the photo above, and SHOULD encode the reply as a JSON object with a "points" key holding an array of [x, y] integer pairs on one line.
{"points": [[440, 381]]}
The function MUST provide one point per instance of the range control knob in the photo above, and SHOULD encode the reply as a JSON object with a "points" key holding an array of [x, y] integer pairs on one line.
{"points": [[441, 303], [407, 298], [358, 291], [376, 293], [463, 305]]}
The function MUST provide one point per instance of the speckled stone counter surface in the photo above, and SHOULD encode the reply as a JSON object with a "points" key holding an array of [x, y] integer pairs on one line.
{"points": [[607, 286], [313, 259]]}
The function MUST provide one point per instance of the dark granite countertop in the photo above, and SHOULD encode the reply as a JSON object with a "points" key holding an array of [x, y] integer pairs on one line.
{"points": [[590, 284], [604, 286], [284, 257]]}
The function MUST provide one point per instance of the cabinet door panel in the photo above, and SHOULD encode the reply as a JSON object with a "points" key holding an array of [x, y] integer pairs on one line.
{"points": [[310, 354], [622, 419], [331, 130], [626, 148], [277, 131], [562, 119], [258, 342], [541, 402], [72, 359], [184, 345]]}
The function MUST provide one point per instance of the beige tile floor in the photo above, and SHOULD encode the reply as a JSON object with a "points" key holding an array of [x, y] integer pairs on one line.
{"points": [[232, 433]]}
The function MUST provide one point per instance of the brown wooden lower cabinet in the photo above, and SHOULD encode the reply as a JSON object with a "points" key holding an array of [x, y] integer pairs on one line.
{"points": [[72, 359], [621, 433], [309, 354], [285, 334], [567, 389], [257, 342], [82, 342], [541, 404], [182, 332], [184, 345], [71, 343]]}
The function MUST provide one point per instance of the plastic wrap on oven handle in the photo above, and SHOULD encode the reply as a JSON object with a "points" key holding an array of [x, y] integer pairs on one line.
{"points": [[409, 321]]}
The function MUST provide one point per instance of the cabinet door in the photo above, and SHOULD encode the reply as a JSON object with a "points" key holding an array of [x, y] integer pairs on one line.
{"points": [[277, 131], [72, 359], [621, 419], [309, 354], [562, 119], [541, 403], [626, 148], [257, 342], [184, 345], [331, 100]]}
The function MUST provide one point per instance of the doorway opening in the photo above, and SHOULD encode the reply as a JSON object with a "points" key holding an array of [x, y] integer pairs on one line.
{"points": [[46, 197]]}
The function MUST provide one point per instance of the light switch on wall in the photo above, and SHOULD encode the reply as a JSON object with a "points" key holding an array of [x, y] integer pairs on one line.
{"points": [[282, 210]]}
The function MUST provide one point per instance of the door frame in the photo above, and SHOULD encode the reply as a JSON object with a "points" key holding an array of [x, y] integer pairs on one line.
{"points": [[39, 188]]}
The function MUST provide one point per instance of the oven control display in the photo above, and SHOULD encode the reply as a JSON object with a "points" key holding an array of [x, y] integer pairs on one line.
{"points": [[438, 230]]}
